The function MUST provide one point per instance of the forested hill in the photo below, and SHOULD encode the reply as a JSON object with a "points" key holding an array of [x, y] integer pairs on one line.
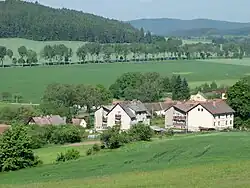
{"points": [[38, 22], [166, 26]]}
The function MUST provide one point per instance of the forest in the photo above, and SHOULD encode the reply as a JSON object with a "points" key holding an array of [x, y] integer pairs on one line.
{"points": [[37, 22]]}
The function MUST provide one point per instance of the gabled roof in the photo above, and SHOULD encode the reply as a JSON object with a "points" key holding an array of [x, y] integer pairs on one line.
{"points": [[215, 107], [49, 120], [131, 108], [158, 106]]}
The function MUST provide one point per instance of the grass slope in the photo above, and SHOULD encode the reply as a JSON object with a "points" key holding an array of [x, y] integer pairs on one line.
{"points": [[31, 82], [216, 160]]}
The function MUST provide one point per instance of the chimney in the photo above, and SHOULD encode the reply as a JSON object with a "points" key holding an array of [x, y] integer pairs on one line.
{"points": [[214, 103]]}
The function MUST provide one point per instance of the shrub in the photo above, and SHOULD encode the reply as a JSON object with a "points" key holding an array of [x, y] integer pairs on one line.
{"points": [[111, 138], [16, 150], [141, 132], [65, 134], [96, 148], [71, 154], [89, 151]]}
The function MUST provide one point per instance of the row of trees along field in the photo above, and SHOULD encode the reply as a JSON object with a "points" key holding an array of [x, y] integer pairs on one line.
{"points": [[97, 53]]}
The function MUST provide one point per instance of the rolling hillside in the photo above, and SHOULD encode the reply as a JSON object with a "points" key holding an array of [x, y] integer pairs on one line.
{"points": [[166, 26], [181, 161], [19, 19]]}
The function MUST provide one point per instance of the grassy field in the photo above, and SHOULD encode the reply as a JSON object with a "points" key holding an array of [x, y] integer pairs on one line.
{"points": [[31, 82], [217, 160]]}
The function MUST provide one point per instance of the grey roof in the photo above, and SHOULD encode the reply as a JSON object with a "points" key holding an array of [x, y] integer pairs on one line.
{"points": [[108, 107], [128, 111]]}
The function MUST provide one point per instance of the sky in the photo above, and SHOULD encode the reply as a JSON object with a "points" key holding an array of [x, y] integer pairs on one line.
{"points": [[228, 10]]}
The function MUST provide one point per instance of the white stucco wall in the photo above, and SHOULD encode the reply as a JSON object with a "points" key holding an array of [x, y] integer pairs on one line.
{"points": [[199, 118], [169, 117], [142, 118], [98, 118], [125, 119], [198, 97], [224, 121]]}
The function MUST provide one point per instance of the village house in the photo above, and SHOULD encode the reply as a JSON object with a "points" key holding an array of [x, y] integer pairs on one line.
{"points": [[47, 120], [124, 114], [197, 116], [198, 97], [158, 108], [79, 122]]}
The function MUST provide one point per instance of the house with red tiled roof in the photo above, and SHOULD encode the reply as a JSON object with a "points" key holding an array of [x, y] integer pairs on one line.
{"points": [[197, 116]]}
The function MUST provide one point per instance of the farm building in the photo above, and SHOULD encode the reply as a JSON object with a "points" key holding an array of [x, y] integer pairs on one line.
{"points": [[124, 114], [47, 120], [196, 116]]}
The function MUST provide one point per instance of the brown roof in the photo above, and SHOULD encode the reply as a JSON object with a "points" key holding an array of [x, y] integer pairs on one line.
{"points": [[4, 127], [49, 120], [213, 106], [217, 107]]}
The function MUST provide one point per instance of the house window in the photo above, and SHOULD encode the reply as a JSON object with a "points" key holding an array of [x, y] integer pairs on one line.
{"points": [[230, 122], [226, 122], [214, 123], [202, 109], [218, 123], [198, 109]]}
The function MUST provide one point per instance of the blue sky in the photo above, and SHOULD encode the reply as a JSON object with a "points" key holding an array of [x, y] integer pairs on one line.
{"points": [[231, 10]]}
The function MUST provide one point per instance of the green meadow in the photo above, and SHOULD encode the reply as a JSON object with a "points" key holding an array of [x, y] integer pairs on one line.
{"points": [[217, 160], [30, 82]]}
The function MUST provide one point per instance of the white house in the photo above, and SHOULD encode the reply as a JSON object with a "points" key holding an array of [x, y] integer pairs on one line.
{"points": [[196, 116], [124, 114], [200, 97]]}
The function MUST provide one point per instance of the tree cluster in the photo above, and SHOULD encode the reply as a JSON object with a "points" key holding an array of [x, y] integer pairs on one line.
{"points": [[16, 150], [238, 97], [66, 99], [17, 114], [37, 22], [149, 87], [113, 138], [62, 134]]}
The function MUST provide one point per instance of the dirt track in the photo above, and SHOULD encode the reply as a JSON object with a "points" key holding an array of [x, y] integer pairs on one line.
{"points": [[84, 143]]}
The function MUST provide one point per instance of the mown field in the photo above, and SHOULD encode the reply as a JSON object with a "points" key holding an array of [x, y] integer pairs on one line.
{"points": [[218, 160], [30, 82]]}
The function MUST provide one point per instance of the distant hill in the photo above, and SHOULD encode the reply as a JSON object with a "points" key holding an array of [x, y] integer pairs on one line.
{"points": [[37, 22], [166, 26]]}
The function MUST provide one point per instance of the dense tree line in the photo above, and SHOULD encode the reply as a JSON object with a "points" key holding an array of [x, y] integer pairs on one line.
{"points": [[95, 52], [37, 22], [149, 87]]}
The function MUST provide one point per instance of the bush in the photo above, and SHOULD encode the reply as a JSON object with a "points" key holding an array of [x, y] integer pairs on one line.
{"points": [[65, 134], [89, 151], [16, 150], [71, 154], [111, 138], [96, 148], [141, 132]]}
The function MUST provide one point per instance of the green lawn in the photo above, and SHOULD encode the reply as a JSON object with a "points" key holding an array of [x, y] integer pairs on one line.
{"points": [[217, 160], [48, 155], [31, 82]]}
